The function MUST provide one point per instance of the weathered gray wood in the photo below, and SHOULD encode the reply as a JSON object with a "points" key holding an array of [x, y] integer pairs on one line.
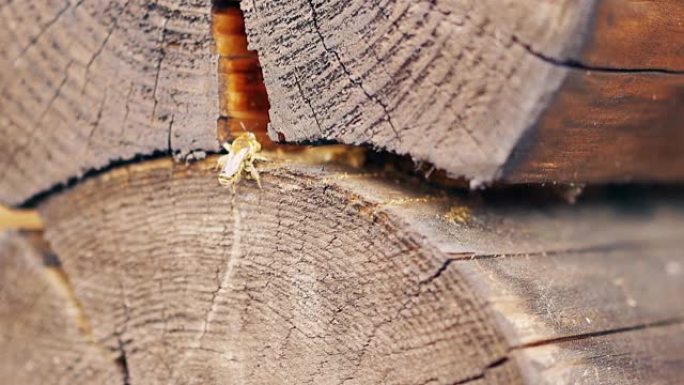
{"points": [[545, 296], [85, 83], [333, 275], [654, 355], [206, 286], [446, 82], [43, 339]]}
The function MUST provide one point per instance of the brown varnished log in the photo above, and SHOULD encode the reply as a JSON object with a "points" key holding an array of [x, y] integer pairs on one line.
{"points": [[606, 127], [243, 101], [636, 35]]}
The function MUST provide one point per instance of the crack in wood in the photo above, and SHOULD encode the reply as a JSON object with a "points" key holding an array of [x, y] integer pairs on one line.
{"points": [[99, 50], [576, 337], [495, 364], [608, 247], [356, 82], [44, 29], [159, 65], [122, 363], [307, 100], [92, 173], [169, 135]]}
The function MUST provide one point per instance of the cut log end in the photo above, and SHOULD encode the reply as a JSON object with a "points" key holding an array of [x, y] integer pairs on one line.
{"points": [[84, 85], [394, 75], [238, 284]]}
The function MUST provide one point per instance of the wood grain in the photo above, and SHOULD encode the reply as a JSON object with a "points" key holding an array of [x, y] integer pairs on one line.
{"points": [[389, 281], [256, 298], [83, 84], [444, 82], [645, 356]]}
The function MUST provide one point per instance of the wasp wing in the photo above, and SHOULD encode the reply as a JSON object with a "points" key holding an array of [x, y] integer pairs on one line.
{"points": [[233, 163]]}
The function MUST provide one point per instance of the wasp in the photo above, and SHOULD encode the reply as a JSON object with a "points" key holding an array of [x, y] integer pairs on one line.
{"points": [[242, 153]]}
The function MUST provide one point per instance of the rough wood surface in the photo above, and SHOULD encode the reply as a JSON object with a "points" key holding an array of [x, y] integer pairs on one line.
{"points": [[459, 84], [643, 356], [446, 82], [85, 83], [386, 283], [42, 339]]}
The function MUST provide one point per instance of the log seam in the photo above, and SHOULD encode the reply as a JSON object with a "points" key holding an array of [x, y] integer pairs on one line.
{"points": [[92, 173], [576, 337], [574, 64], [608, 247]]}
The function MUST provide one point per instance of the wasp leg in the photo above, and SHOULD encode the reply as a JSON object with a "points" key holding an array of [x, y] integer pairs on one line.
{"points": [[234, 182], [254, 174], [221, 162], [223, 181], [259, 157]]}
